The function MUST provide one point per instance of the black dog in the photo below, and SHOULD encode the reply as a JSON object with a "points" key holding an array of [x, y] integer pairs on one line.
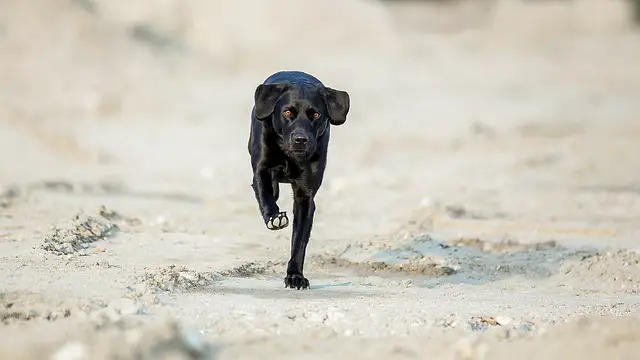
{"points": [[288, 144]]}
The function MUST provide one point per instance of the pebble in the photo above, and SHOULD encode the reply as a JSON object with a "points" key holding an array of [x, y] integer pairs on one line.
{"points": [[526, 326], [407, 283], [373, 281], [295, 314], [504, 320]]}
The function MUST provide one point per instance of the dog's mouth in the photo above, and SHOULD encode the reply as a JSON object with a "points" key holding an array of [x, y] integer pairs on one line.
{"points": [[300, 150], [299, 153]]}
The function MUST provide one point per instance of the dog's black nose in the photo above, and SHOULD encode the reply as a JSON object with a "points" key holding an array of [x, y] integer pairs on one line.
{"points": [[300, 139]]}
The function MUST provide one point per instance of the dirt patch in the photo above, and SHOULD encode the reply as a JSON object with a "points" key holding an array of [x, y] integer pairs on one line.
{"points": [[460, 212], [620, 269], [469, 260], [414, 268], [502, 247], [254, 268], [502, 327], [421, 268], [175, 278], [466, 260], [18, 308], [75, 236], [550, 129], [10, 316], [118, 218]]}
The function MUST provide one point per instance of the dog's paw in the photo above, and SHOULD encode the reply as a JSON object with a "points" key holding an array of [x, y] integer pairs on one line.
{"points": [[278, 221], [296, 281]]}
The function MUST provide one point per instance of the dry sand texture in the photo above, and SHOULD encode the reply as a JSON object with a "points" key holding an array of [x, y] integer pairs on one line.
{"points": [[481, 202]]}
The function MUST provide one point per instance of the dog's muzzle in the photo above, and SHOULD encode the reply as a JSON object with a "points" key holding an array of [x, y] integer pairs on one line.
{"points": [[299, 141]]}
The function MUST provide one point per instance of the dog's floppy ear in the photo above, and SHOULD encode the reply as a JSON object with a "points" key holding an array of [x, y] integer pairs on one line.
{"points": [[265, 98], [338, 103]]}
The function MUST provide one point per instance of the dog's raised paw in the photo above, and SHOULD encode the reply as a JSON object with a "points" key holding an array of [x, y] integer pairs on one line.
{"points": [[296, 281], [278, 221]]}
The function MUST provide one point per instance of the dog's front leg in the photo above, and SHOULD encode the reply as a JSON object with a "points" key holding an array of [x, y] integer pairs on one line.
{"points": [[303, 210], [264, 192]]}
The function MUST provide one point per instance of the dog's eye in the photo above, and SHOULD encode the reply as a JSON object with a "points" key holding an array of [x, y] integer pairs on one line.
{"points": [[287, 113], [316, 115]]}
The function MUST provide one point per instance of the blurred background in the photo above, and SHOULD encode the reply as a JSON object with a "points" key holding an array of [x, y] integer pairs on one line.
{"points": [[470, 119], [447, 96]]}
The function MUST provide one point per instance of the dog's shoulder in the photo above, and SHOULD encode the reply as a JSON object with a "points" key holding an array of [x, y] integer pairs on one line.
{"points": [[298, 78]]}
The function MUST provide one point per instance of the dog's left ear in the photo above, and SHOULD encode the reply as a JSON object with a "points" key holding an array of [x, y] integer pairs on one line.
{"points": [[338, 103], [266, 97]]}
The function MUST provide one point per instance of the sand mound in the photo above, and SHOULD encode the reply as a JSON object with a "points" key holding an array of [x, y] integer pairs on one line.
{"points": [[176, 278], [74, 236]]}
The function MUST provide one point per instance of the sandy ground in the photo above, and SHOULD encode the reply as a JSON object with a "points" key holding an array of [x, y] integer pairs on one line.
{"points": [[481, 201]]}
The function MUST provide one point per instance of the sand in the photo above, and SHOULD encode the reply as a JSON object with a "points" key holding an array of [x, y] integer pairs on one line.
{"points": [[480, 202]]}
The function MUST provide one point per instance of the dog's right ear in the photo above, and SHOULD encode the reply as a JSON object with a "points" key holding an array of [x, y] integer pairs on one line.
{"points": [[265, 98]]}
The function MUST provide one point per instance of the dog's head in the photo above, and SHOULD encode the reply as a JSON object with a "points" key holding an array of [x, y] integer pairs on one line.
{"points": [[300, 115]]}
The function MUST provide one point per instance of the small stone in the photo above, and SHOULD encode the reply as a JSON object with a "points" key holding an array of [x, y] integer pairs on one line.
{"points": [[504, 320], [407, 283], [51, 316], [294, 314], [100, 250], [373, 281], [66, 248], [526, 326]]}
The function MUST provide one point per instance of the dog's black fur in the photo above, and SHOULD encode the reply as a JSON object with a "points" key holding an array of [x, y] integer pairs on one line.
{"points": [[288, 143]]}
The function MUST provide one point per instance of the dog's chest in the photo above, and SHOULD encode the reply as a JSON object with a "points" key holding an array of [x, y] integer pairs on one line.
{"points": [[287, 172]]}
